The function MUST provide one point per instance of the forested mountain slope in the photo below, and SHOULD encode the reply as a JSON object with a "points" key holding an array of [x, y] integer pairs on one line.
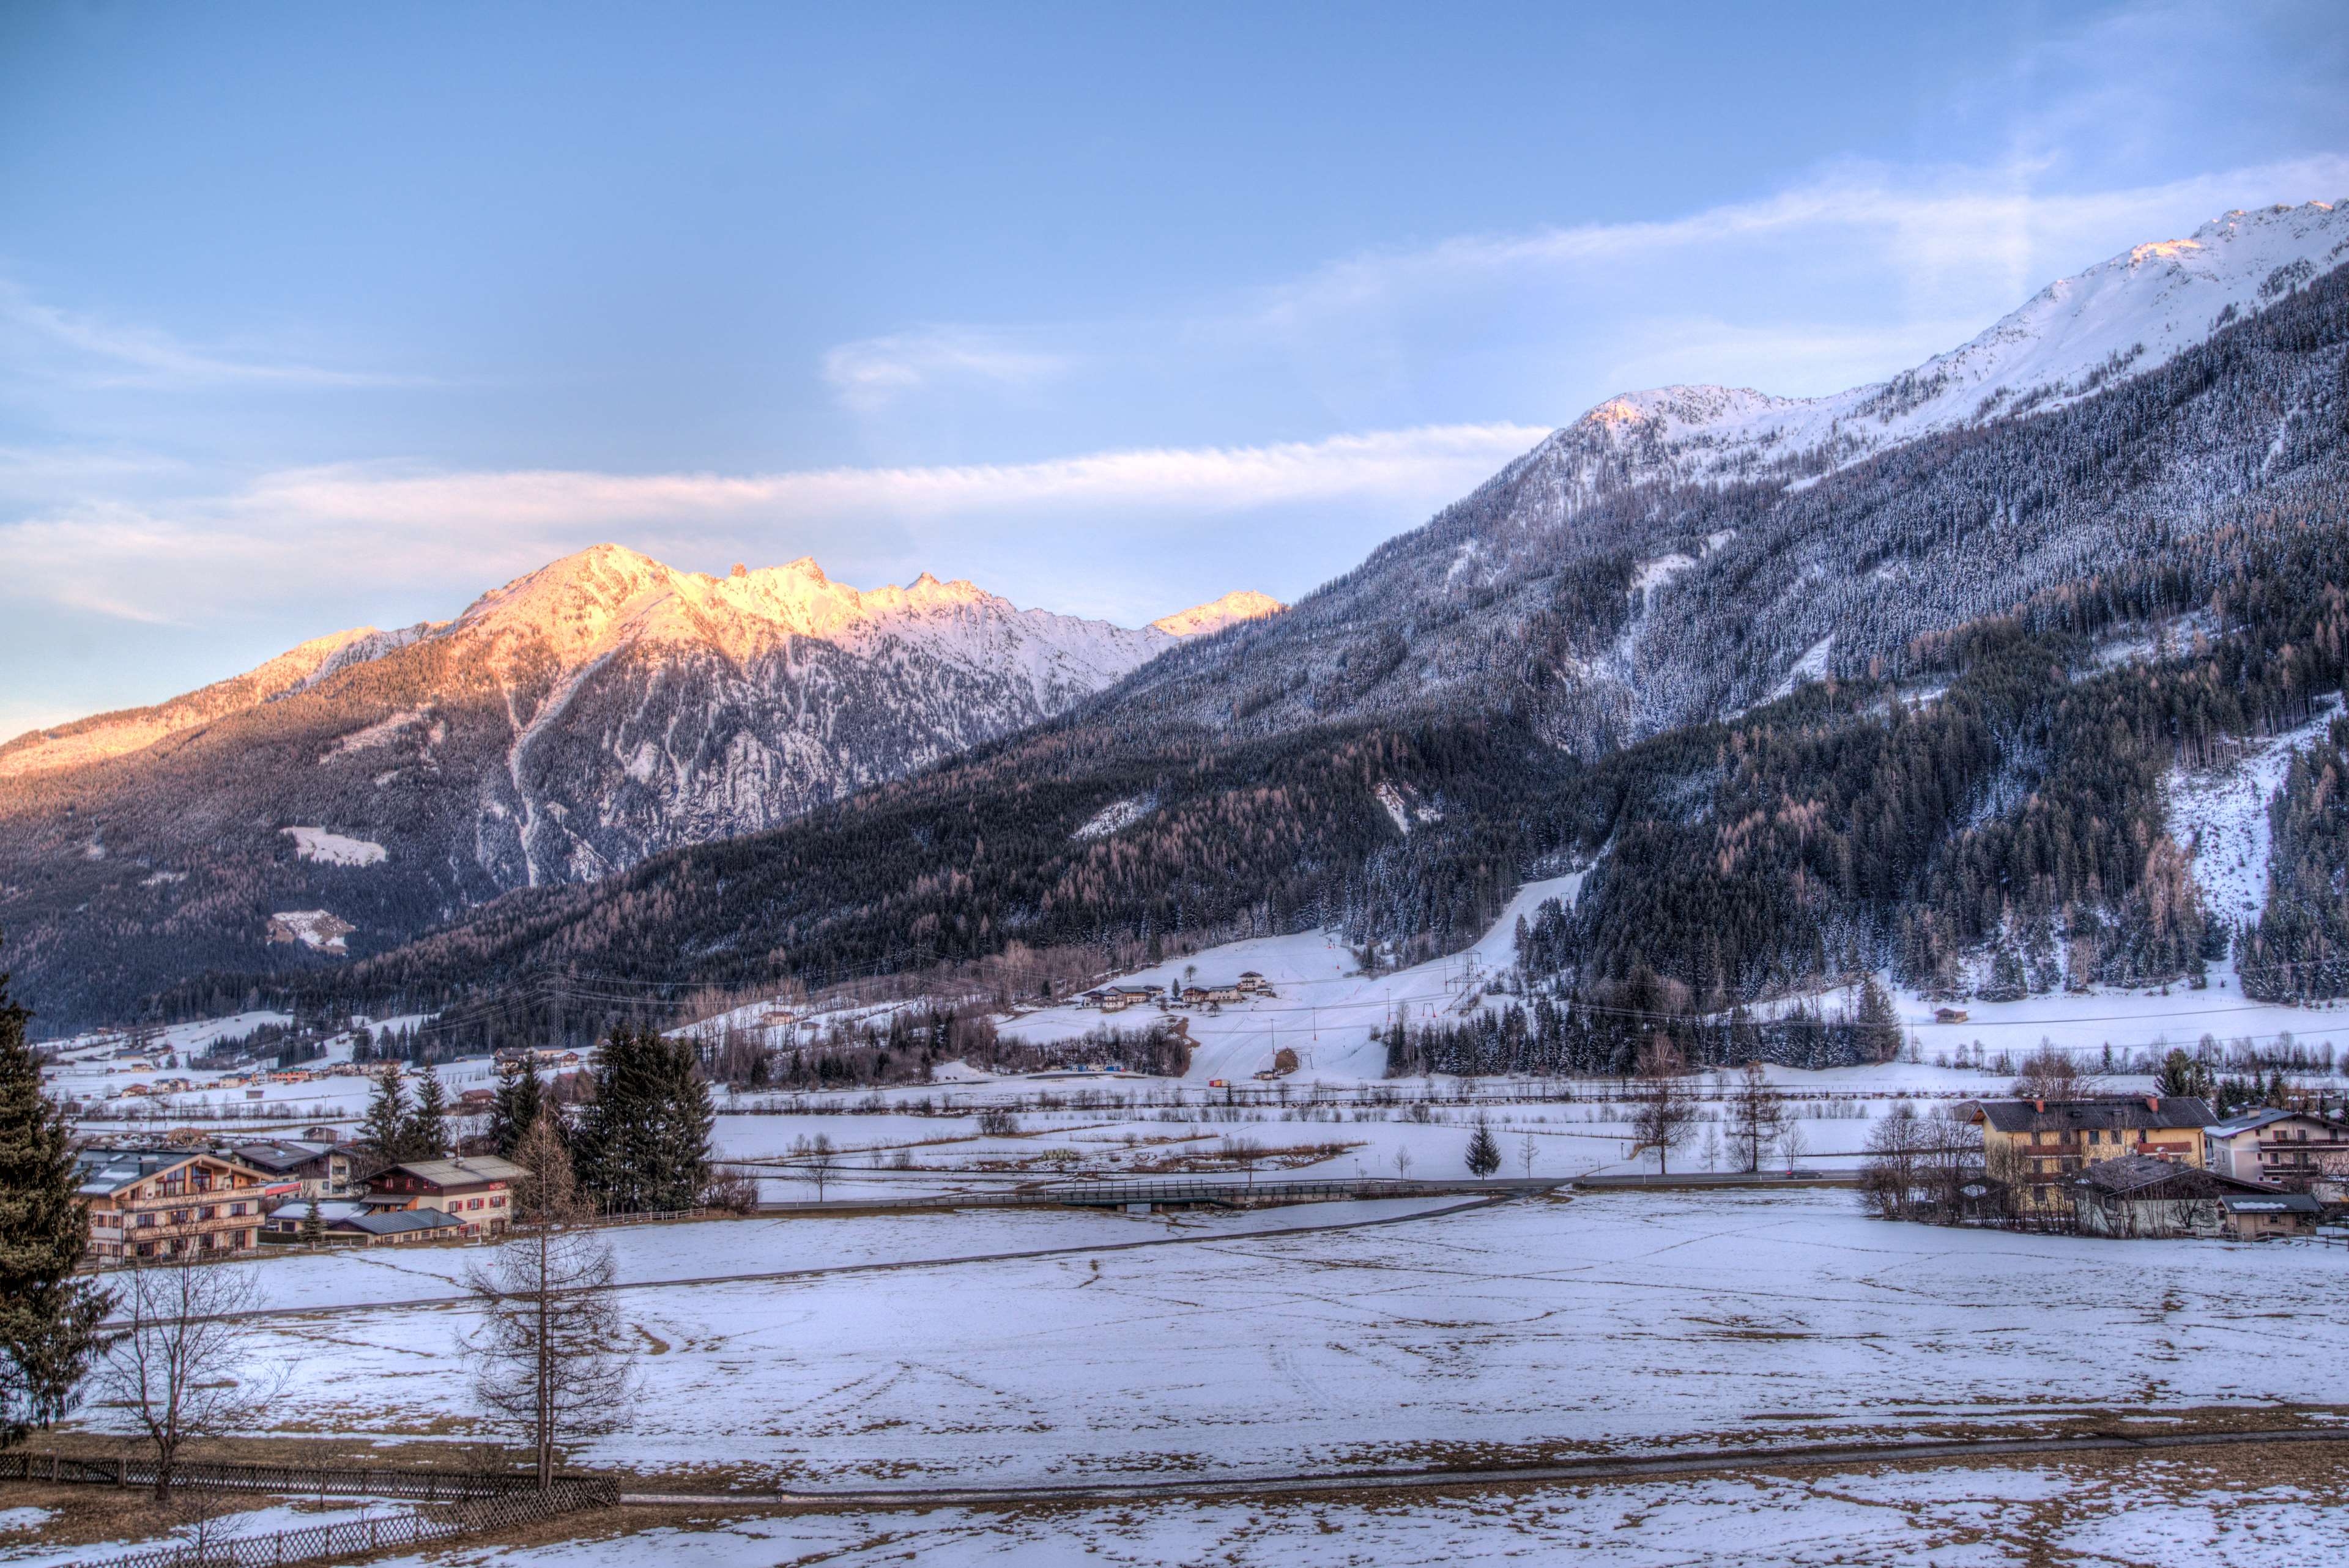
{"points": [[1677, 556], [1965, 783], [604, 708]]}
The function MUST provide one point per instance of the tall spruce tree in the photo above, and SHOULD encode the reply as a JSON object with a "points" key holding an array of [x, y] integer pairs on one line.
{"points": [[383, 1130], [521, 1098], [48, 1319], [426, 1135], [643, 1142], [1878, 1024]]}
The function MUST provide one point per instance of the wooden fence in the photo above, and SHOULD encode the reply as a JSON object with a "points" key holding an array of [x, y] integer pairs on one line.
{"points": [[341, 1541], [478, 1503]]}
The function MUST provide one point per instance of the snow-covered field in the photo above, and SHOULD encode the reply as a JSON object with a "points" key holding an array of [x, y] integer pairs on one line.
{"points": [[2173, 1512], [1613, 1323]]}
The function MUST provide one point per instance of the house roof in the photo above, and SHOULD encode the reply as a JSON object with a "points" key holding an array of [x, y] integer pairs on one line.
{"points": [[105, 1172], [329, 1211], [2268, 1116], [2149, 1112], [465, 1170], [280, 1154], [397, 1221], [2141, 1176], [2271, 1204]]}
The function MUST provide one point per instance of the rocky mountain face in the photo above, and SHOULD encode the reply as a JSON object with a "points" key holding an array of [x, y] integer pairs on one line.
{"points": [[1688, 645], [563, 728]]}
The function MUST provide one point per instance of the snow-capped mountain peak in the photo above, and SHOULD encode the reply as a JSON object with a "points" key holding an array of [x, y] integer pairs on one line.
{"points": [[2121, 317], [1199, 620]]}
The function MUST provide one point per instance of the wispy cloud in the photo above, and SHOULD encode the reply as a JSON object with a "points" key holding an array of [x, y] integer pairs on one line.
{"points": [[871, 374], [102, 353], [288, 531]]}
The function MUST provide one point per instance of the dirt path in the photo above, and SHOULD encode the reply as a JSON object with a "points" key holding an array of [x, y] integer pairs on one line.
{"points": [[1718, 1462], [1077, 1249]]}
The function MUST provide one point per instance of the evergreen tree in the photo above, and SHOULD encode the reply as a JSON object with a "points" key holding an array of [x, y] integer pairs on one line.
{"points": [[48, 1319], [2182, 1074], [1878, 1024], [426, 1136], [643, 1142], [1484, 1152], [520, 1097], [383, 1130], [313, 1225]]}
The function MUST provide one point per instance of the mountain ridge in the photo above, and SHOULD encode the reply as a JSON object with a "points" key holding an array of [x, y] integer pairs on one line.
{"points": [[580, 600]]}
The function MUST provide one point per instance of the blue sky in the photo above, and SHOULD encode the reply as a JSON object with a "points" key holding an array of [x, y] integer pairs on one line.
{"points": [[316, 316]]}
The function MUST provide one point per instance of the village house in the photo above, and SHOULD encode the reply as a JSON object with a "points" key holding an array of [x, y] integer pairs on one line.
{"points": [[2141, 1196], [2038, 1146], [357, 1223], [163, 1202], [2290, 1149], [305, 1170], [474, 1187], [1252, 981]]}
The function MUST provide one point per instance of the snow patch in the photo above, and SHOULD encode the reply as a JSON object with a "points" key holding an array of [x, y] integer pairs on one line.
{"points": [[316, 929], [382, 732], [1391, 798], [334, 849], [1811, 667], [2218, 815], [1116, 817], [1653, 574]]}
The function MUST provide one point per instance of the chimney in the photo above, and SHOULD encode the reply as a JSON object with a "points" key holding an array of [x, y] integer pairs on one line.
{"points": [[2153, 1103], [2040, 1106]]}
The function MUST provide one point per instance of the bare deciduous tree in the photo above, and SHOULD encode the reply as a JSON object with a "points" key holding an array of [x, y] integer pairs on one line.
{"points": [[2048, 1073], [1757, 1115], [817, 1159], [550, 1355], [1662, 1110], [176, 1363]]}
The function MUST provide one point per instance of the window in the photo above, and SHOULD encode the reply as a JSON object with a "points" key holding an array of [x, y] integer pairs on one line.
{"points": [[146, 1220], [235, 1209], [205, 1213], [497, 1201]]}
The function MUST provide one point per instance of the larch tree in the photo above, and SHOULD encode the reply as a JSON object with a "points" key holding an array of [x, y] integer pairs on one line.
{"points": [[1757, 1115], [1662, 1110], [551, 1356]]}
